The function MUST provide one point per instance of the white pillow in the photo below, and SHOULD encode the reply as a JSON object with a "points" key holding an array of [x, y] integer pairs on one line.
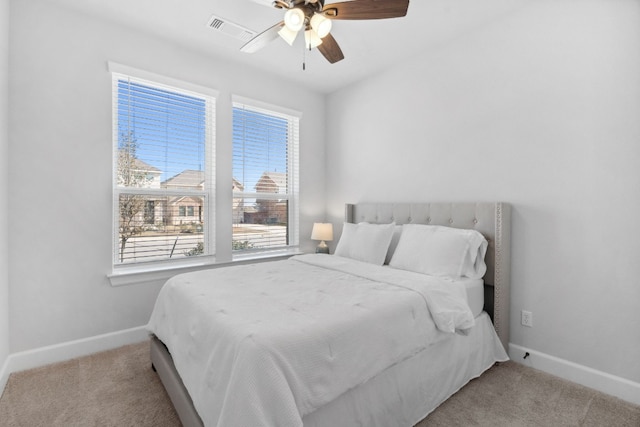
{"points": [[441, 251], [365, 242]]}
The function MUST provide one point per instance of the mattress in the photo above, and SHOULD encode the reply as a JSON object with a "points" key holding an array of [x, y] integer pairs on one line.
{"points": [[474, 289], [399, 396], [334, 325], [407, 392]]}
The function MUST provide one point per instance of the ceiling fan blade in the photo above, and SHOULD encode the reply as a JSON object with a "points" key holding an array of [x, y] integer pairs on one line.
{"points": [[330, 49], [262, 39], [366, 9]]}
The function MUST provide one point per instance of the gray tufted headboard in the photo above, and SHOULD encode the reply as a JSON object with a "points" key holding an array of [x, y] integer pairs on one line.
{"points": [[493, 220]]}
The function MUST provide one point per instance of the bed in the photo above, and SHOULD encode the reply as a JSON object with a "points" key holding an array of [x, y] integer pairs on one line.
{"points": [[255, 381]]}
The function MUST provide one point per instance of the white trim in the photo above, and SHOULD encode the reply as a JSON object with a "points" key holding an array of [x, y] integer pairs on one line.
{"points": [[292, 119], [606, 383], [264, 107], [293, 170], [71, 349], [4, 375], [209, 96], [161, 271], [139, 275], [159, 79]]}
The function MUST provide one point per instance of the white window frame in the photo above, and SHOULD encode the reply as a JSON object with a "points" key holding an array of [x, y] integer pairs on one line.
{"points": [[293, 174], [119, 71]]}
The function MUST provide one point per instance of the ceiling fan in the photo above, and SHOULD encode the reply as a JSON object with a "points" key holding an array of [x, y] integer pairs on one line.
{"points": [[315, 18]]}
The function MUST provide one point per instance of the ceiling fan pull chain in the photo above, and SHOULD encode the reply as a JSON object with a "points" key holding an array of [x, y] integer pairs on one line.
{"points": [[304, 57]]}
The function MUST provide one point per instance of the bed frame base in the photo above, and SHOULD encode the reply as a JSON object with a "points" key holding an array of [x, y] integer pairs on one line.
{"points": [[162, 363], [493, 220]]}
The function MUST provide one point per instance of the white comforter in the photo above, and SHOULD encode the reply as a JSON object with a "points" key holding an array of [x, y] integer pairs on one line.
{"points": [[265, 344]]}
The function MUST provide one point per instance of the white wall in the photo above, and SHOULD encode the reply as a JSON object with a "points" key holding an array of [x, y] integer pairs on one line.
{"points": [[4, 184], [540, 109], [60, 197]]}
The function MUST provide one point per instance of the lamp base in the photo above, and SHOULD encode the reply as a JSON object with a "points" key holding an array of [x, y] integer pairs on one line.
{"points": [[322, 249]]}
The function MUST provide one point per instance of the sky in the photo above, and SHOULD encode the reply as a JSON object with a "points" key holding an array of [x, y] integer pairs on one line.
{"points": [[169, 131]]}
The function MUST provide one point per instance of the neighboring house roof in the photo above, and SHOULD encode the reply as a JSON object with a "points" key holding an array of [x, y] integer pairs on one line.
{"points": [[237, 185], [142, 166], [272, 182], [187, 178], [137, 163], [133, 172], [193, 179]]}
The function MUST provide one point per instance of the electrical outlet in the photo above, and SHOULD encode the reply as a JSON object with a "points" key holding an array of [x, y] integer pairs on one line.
{"points": [[527, 318]]}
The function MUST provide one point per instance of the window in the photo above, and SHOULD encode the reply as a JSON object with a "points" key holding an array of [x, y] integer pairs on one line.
{"points": [[163, 169], [150, 212], [265, 176]]}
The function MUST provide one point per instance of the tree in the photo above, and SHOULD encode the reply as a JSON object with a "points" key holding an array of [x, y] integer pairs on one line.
{"points": [[130, 174]]}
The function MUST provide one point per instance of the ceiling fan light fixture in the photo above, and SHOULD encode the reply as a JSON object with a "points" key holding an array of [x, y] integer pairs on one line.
{"points": [[288, 35], [294, 19], [311, 39], [321, 25], [315, 19]]}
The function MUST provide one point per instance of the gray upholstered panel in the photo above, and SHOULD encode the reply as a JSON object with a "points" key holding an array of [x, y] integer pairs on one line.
{"points": [[162, 363], [493, 220]]}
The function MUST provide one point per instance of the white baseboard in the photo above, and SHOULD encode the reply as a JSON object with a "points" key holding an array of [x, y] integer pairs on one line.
{"points": [[592, 378], [598, 380], [69, 350], [4, 375]]}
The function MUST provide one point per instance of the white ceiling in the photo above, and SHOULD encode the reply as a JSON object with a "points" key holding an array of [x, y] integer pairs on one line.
{"points": [[368, 46]]}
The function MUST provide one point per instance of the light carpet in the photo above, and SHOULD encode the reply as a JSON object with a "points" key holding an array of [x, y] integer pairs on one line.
{"points": [[118, 388]]}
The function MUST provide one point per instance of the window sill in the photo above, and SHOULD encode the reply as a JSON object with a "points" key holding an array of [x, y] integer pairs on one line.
{"points": [[153, 273]]}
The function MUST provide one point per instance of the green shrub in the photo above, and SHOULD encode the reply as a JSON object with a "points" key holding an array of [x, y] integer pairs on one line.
{"points": [[198, 250]]}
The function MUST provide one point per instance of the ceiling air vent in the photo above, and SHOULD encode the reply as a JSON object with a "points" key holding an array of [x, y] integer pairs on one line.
{"points": [[229, 28]]}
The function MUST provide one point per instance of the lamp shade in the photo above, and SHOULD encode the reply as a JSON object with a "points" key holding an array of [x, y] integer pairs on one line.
{"points": [[322, 231], [288, 35], [311, 39], [321, 25], [294, 19]]}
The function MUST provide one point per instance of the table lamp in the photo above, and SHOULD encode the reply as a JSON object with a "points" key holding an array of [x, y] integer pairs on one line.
{"points": [[324, 232]]}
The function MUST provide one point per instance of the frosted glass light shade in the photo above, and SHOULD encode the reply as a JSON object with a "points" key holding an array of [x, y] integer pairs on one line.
{"points": [[311, 39], [288, 35], [321, 25], [294, 19]]}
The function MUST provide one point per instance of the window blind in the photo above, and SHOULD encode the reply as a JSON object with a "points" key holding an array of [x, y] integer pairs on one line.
{"points": [[163, 171], [265, 178]]}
